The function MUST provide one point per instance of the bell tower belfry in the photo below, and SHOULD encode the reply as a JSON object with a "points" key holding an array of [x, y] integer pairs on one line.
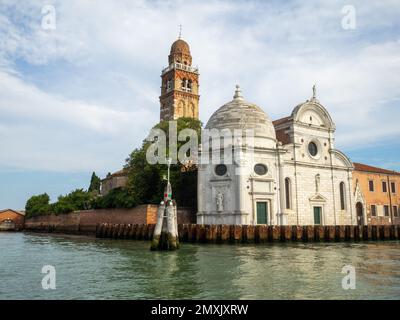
{"points": [[179, 85]]}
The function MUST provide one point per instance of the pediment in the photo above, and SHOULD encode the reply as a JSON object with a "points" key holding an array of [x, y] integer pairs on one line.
{"points": [[318, 198], [358, 194]]}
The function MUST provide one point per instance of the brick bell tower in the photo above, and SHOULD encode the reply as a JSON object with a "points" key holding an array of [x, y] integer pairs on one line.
{"points": [[179, 85]]}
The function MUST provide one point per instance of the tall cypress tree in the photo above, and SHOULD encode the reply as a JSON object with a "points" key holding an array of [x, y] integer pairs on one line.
{"points": [[95, 183]]}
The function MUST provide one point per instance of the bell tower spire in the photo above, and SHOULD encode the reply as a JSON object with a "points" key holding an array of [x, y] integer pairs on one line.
{"points": [[179, 84]]}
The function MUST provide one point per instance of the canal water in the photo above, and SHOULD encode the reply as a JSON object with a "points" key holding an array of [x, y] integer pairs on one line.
{"points": [[88, 268]]}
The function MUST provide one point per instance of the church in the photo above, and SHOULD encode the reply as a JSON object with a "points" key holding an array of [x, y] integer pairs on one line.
{"points": [[292, 176]]}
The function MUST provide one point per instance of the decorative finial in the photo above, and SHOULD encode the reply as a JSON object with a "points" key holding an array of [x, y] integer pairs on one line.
{"points": [[314, 89], [180, 31], [238, 93]]}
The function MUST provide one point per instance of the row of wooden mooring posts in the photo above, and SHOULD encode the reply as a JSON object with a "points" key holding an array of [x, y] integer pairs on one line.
{"points": [[253, 234]]}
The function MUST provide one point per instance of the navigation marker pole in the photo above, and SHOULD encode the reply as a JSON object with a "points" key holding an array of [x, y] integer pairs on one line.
{"points": [[165, 235]]}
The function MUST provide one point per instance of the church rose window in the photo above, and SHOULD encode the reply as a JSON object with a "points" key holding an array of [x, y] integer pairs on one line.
{"points": [[312, 149], [220, 169], [260, 169]]}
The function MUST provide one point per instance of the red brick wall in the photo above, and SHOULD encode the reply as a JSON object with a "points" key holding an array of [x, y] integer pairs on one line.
{"points": [[86, 221], [68, 223]]}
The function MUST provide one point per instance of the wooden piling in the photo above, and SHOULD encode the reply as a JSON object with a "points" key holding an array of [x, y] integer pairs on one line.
{"points": [[357, 233], [374, 233], [261, 233], [225, 233], [319, 233], [236, 233], [397, 232], [250, 233]]}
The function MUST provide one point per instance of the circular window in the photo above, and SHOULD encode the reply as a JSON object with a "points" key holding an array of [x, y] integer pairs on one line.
{"points": [[220, 169], [312, 149], [260, 169]]}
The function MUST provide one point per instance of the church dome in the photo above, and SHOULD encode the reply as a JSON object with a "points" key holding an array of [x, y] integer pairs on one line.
{"points": [[240, 114], [180, 46]]}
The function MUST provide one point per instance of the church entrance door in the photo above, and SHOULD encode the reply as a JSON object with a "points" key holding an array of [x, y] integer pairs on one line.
{"points": [[262, 213]]}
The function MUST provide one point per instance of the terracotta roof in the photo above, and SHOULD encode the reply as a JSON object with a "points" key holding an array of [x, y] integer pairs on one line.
{"points": [[280, 121], [119, 173], [22, 213], [367, 168]]}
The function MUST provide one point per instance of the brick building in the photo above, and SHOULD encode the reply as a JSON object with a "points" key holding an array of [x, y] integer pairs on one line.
{"points": [[377, 195], [11, 220], [114, 180]]}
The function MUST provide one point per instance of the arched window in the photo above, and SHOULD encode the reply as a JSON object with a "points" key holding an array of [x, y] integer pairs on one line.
{"points": [[342, 196], [169, 84], [288, 193]]}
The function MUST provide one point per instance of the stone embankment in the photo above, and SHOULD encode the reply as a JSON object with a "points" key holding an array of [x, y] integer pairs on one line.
{"points": [[253, 234]]}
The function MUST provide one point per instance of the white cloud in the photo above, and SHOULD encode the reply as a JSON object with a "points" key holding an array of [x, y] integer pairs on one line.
{"points": [[102, 67]]}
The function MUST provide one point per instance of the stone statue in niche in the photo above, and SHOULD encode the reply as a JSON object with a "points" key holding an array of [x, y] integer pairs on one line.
{"points": [[220, 202], [317, 182]]}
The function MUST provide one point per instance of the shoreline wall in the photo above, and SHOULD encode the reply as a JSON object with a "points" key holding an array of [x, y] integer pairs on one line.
{"points": [[196, 233], [85, 221]]}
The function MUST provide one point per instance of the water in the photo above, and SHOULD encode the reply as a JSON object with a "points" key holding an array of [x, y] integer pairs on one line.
{"points": [[88, 268]]}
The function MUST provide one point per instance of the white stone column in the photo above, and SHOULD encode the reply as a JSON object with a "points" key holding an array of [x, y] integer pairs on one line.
{"points": [[240, 190], [281, 189], [200, 194]]}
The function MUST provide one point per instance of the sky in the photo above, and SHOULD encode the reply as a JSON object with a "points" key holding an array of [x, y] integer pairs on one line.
{"points": [[80, 95]]}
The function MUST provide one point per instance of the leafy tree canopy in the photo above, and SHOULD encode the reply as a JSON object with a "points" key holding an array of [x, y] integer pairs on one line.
{"points": [[37, 205], [146, 181]]}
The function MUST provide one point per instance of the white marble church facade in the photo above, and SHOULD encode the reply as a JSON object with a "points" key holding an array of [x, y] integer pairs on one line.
{"points": [[290, 174]]}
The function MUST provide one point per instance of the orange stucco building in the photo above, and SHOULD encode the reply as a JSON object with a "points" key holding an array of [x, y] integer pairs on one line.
{"points": [[11, 220], [377, 195]]}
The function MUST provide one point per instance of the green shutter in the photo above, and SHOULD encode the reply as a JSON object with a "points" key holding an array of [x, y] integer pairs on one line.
{"points": [[262, 210], [317, 215]]}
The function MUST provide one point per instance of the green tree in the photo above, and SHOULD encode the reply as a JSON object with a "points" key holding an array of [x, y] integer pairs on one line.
{"points": [[38, 205], [95, 183], [116, 198], [75, 200], [146, 181]]}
